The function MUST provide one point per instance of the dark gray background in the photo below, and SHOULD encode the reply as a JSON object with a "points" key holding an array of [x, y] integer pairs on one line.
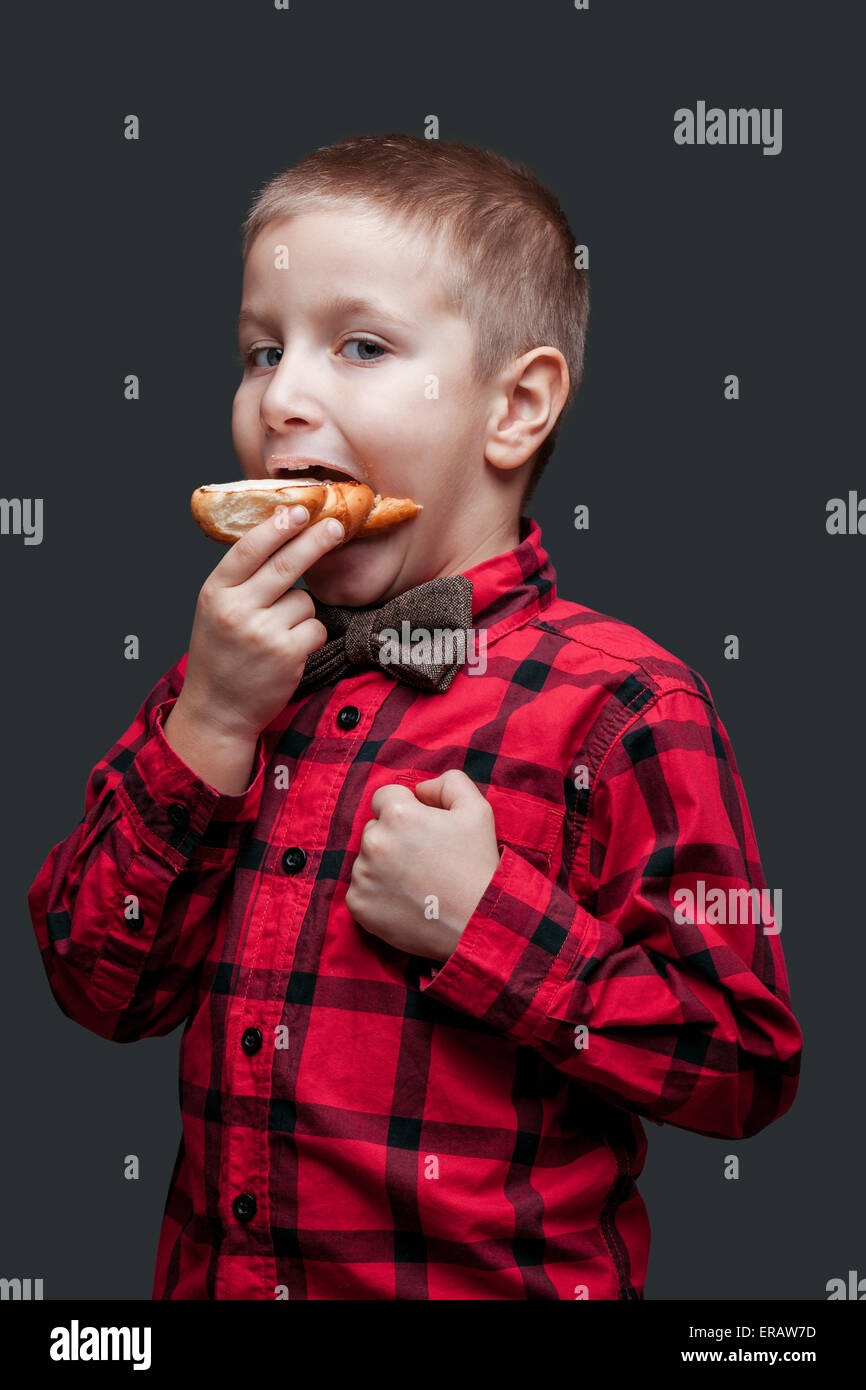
{"points": [[707, 517]]}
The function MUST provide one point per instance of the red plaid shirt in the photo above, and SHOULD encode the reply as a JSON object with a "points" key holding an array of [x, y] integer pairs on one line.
{"points": [[359, 1123]]}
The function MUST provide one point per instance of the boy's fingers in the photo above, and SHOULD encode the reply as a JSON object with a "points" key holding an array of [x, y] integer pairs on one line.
{"points": [[285, 566], [452, 789], [248, 554]]}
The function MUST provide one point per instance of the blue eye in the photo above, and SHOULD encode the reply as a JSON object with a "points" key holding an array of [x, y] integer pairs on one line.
{"points": [[366, 343], [249, 358]]}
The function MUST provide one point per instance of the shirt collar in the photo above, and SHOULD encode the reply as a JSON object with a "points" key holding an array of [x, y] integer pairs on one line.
{"points": [[510, 589]]}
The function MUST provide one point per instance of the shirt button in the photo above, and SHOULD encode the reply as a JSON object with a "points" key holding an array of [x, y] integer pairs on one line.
{"points": [[244, 1206], [348, 717], [178, 815], [294, 860], [251, 1041]]}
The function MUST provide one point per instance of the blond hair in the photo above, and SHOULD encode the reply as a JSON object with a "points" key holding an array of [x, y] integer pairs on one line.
{"points": [[510, 271]]}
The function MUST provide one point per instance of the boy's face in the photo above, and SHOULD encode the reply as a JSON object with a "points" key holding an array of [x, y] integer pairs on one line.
{"points": [[383, 393]]}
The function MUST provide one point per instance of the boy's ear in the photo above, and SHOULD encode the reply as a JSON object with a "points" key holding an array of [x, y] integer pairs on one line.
{"points": [[526, 403]]}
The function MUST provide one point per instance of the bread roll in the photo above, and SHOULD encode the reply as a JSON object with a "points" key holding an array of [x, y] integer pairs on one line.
{"points": [[225, 511]]}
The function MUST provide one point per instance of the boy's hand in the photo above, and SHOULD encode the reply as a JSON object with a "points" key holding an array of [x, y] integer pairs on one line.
{"points": [[430, 848], [252, 632]]}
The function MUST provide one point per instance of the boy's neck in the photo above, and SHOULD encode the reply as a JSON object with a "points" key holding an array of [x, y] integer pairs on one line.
{"points": [[497, 542]]}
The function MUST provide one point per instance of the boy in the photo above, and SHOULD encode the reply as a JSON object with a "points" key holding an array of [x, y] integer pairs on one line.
{"points": [[422, 920]]}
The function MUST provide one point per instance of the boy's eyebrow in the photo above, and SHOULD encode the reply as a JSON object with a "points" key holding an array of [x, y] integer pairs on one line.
{"points": [[250, 315], [338, 305], [356, 304]]}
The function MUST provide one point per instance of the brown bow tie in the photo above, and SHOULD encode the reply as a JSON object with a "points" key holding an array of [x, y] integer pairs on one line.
{"points": [[441, 609]]}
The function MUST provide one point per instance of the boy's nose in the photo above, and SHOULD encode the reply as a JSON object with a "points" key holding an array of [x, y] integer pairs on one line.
{"points": [[288, 399]]}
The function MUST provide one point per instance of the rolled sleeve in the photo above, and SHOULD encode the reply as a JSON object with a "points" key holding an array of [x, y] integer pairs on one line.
{"points": [[125, 908], [175, 813]]}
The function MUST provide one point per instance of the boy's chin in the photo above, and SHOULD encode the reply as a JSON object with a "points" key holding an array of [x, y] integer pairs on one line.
{"points": [[357, 573]]}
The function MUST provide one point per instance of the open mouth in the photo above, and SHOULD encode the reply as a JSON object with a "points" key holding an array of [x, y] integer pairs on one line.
{"points": [[312, 473], [318, 474]]}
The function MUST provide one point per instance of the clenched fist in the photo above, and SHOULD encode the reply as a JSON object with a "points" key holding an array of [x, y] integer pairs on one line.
{"points": [[430, 850]]}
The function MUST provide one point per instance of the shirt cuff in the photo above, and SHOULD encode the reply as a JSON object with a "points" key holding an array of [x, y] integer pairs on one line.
{"points": [[515, 950], [178, 815]]}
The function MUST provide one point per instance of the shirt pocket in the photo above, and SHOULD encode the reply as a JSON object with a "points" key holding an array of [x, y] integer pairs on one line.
{"points": [[529, 825]]}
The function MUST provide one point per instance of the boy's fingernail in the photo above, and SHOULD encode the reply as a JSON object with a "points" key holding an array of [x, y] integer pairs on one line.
{"points": [[335, 528], [298, 514]]}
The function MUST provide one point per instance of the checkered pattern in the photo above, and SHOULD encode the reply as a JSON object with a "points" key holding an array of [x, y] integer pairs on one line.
{"points": [[363, 1124]]}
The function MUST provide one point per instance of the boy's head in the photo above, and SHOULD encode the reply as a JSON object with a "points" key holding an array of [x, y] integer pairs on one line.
{"points": [[411, 317]]}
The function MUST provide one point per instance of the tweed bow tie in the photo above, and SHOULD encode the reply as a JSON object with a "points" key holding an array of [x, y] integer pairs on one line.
{"points": [[441, 609]]}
